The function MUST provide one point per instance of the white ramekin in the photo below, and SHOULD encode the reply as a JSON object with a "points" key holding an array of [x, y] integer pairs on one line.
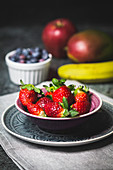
{"points": [[33, 73]]}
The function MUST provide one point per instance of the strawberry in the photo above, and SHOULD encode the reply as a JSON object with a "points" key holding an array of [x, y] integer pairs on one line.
{"points": [[81, 106], [61, 92], [35, 109], [54, 109], [26, 96], [28, 93], [42, 101], [81, 94], [57, 90]]}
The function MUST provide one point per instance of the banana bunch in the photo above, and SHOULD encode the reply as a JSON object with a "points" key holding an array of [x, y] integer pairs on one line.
{"points": [[88, 72]]}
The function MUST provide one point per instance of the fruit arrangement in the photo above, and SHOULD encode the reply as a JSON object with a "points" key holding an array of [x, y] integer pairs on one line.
{"points": [[29, 55], [91, 51], [56, 100], [62, 39]]}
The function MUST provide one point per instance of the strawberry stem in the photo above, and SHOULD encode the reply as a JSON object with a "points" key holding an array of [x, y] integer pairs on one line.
{"points": [[58, 83], [81, 88], [22, 82], [30, 87]]}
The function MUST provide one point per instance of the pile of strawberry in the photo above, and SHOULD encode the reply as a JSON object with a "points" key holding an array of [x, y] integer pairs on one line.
{"points": [[55, 100]]}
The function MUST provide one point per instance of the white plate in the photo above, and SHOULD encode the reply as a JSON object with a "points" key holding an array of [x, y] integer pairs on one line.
{"points": [[98, 127]]}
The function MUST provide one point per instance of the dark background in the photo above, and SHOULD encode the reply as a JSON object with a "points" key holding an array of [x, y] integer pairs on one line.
{"points": [[40, 11]]}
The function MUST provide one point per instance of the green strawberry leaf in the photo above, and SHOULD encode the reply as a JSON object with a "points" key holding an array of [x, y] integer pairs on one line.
{"points": [[71, 87], [50, 88], [37, 90], [62, 81], [62, 104], [30, 87], [75, 92], [53, 88], [73, 113], [55, 82], [58, 83], [22, 82], [65, 102], [80, 87], [86, 89], [66, 113]]}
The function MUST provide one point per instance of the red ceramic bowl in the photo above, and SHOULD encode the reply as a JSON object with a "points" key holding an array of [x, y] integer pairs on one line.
{"points": [[62, 124]]}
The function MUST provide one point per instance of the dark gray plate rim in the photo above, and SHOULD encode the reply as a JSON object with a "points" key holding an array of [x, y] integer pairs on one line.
{"points": [[106, 108]]}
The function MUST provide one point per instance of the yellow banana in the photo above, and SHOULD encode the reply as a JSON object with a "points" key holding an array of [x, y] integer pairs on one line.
{"points": [[88, 72]]}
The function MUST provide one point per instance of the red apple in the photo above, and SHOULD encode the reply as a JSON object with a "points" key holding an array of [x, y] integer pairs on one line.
{"points": [[56, 35]]}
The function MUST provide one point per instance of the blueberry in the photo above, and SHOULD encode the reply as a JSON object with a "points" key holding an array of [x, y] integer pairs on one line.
{"points": [[28, 61], [44, 51], [37, 49], [25, 52], [28, 57], [34, 60], [29, 51], [45, 56], [36, 54], [16, 56], [12, 58], [18, 51]]}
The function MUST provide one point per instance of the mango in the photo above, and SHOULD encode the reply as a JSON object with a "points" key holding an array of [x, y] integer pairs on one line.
{"points": [[90, 46]]}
